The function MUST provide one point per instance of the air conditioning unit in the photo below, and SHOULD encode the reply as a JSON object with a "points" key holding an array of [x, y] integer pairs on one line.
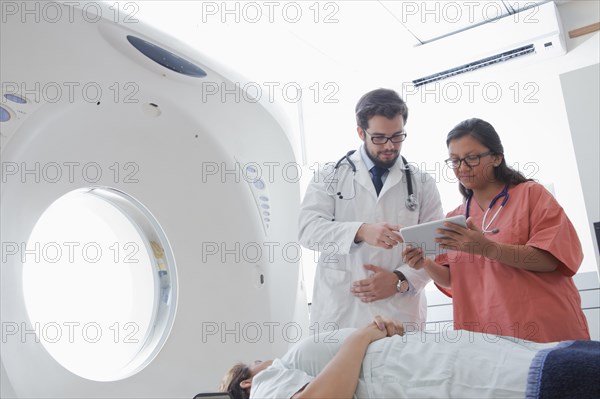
{"points": [[528, 36]]}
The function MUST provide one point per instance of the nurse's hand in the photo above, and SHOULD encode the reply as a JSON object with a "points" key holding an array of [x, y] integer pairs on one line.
{"points": [[468, 239], [381, 235], [380, 285], [414, 257]]}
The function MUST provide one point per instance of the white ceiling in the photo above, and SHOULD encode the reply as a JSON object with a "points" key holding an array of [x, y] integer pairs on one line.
{"points": [[334, 39], [428, 21]]}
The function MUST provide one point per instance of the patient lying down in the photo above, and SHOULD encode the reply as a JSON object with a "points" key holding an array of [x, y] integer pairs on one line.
{"points": [[379, 361]]}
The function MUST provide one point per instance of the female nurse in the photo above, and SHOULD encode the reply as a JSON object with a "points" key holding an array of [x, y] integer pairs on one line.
{"points": [[509, 272]]}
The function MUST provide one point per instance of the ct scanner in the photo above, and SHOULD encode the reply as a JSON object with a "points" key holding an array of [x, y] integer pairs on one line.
{"points": [[89, 116]]}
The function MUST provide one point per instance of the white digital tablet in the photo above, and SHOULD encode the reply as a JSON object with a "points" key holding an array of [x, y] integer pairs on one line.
{"points": [[424, 235]]}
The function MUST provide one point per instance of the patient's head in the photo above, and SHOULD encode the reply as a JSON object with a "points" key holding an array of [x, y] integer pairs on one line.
{"points": [[238, 379]]}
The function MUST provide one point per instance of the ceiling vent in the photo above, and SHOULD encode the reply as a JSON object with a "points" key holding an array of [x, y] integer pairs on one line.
{"points": [[527, 36]]}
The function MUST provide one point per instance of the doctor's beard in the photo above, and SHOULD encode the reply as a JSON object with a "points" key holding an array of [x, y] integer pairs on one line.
{"points": [[381, 163]]}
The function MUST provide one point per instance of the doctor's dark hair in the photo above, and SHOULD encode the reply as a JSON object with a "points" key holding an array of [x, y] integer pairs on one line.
{"points": [[231, 381], [485, 133], [384, 102]]}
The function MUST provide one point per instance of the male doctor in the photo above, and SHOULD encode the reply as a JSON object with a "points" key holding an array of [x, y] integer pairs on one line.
{"points": [[352, 213]]}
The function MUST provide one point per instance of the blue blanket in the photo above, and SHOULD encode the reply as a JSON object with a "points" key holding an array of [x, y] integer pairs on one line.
{"points": [[571, 369]]}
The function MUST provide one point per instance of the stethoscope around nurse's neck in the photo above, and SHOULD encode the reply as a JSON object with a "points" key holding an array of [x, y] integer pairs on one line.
{"points": [[485, 227]]}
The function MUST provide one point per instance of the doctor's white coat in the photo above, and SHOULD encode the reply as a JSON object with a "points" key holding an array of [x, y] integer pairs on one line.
{"points": [[329, 224]]}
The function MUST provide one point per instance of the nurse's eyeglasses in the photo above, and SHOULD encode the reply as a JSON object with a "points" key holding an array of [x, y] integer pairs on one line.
{"points": [[381, 139], [470, 160]]}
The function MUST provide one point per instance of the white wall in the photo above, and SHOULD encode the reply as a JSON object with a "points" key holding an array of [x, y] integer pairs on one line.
{"points": [[585, 131]]}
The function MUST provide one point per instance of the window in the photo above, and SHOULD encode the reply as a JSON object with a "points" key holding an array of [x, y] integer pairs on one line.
{"points": [[99, 282]]}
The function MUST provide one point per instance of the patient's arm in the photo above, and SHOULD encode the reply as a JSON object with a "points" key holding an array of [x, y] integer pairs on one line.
{"points": [[340, 377]]}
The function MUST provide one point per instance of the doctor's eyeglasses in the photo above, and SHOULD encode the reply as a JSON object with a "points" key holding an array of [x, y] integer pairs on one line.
{"points": [[470, 160], [381, 139]]}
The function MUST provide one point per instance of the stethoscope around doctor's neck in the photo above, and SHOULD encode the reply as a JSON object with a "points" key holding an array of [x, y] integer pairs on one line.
{"points": [[411, 201], [486, 228]]}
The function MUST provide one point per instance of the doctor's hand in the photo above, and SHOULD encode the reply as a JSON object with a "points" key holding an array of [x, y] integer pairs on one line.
{"points": [[380, 285], [381, 235], [468, 239]]}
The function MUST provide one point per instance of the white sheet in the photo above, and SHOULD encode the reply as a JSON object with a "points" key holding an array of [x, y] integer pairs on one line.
{"points": [[452, 364]]}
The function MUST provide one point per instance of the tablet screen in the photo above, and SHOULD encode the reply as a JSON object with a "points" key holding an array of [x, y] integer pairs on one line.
{"points": [[424, 235]]}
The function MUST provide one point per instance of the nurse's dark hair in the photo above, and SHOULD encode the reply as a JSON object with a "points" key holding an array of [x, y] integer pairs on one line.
{"points": [[485, 133], [383, 102], [231, 381]]}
